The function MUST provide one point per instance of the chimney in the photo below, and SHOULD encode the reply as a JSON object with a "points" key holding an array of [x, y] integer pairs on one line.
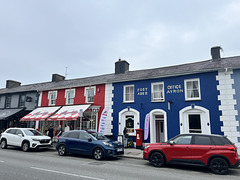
{"points": [[215, 52], [57, 77], [12, 84], [121, 66]]}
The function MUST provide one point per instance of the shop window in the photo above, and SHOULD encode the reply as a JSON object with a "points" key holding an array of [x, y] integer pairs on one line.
{"points": [[192, 89], [69, 95], [128, 93], [8, 102], [89, 94], [52, 96], [22, 99], [130, 123], [157, 92]]}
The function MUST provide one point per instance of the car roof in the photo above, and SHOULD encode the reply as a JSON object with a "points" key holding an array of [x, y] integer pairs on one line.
{"points": [[200, 134]]}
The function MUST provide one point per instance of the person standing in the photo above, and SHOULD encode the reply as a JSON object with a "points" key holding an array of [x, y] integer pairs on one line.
{"points": [[125, 137], [67, 128], [50, 132], [59, 130]]}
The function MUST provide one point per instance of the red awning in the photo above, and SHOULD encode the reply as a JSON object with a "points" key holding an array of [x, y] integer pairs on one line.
{"points": [[40, 114], [69, 113]]}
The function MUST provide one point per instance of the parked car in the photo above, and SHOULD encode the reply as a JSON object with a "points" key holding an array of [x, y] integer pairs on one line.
{"points": [[213, 151], [88, 143], [26, 138]]}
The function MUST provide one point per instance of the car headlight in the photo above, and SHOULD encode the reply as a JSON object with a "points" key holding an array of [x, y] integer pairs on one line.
{"points": [[108, 144], [36, 139]]}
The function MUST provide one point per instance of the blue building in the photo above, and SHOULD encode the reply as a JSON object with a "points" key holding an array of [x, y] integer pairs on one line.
{"points": [[199, 97]]}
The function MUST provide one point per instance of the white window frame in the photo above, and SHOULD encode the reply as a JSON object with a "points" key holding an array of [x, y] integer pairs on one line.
{"points": [[86, 93], [186, 90], [124, 94], [67, 96], [50, 102], [161, 99]]}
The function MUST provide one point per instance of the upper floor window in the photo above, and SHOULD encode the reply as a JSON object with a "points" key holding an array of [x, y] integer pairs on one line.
{"points": [[69, 95], [8, 101], [22, 99], [52, 96], [128, 93], [89, 94], [192, 89], [157, 91]]}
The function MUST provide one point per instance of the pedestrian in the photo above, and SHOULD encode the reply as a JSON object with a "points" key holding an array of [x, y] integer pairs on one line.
{"points": [[67, 128], [59, 130], [125, 137], [50, 132]]}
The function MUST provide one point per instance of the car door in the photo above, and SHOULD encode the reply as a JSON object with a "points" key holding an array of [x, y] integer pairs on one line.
{"points": [[180, 150], [73, 143], [11, 136], [18, 138], [87, 143], [201, 148]]}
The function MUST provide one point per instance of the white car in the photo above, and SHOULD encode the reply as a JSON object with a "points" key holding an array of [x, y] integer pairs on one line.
{"points": [[26, 138]]}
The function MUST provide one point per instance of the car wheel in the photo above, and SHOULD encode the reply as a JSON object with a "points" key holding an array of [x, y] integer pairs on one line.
{"points": [[62, 150], [219, 166], [157, 159], [98, 154], [25, 146], [4, 144]]}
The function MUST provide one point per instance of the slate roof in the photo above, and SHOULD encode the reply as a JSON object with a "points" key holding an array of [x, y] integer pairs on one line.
{"points": [[176, 70]]}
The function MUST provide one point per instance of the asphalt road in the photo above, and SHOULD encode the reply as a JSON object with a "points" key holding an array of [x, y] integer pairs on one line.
{"points": [[47, 165]]}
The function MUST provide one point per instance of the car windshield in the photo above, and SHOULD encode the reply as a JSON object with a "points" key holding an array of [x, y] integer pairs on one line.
{"points": [[98, 136], [32, 132]]}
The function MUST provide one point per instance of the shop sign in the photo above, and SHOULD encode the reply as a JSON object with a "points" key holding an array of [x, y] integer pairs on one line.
{"points": [[142, 91], [171, 89]]}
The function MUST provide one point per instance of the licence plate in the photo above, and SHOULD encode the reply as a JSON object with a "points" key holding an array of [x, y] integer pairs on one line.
{"points": [[119, 149]]}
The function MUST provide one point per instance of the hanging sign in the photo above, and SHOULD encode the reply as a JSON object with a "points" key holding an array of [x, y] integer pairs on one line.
{"points": [[103, 121], [146, 126]]}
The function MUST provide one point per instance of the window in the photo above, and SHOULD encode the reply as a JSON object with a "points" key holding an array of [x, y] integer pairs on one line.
{"points": [[84, 136], [52, 96], [157, 92], [69, 95], [192, 89], [128, 93], [8, 102], [202, 140], [183, 140], [89, 94], [22, 100], [130, 123], [74, 135], [194, 123]]}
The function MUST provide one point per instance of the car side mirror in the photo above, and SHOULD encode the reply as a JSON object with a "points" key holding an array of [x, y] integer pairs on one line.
{"points": [[171, 142], [89, 139]]}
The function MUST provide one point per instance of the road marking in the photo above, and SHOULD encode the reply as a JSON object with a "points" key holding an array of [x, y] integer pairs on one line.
{"points": [[1, 161], [65, 173]]}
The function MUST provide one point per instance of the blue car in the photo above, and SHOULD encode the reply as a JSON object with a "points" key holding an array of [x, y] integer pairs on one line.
{"points": [[88, 143]]}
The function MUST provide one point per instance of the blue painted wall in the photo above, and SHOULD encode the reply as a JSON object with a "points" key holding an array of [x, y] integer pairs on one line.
{"points": [[143, 104], [236, 86]]}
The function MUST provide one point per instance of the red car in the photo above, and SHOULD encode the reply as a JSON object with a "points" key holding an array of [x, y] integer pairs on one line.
{"points": [[213, 151]]}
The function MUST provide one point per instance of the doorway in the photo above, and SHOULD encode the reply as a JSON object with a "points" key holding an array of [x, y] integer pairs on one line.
{"points": [[159, 124]]}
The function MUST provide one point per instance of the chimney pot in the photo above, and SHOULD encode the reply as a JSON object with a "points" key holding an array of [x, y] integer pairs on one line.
{"points": [[215, 52]]}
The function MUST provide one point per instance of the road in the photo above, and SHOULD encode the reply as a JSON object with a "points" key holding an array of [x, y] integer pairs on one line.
{"points": [[48, 165]]}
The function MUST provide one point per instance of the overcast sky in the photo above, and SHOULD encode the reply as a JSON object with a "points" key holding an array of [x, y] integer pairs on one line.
{"points": [[41, 37]]}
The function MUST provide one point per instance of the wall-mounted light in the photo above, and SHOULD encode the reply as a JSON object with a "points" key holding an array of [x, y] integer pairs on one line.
{"points": [[193, 106], [128, 108]]}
